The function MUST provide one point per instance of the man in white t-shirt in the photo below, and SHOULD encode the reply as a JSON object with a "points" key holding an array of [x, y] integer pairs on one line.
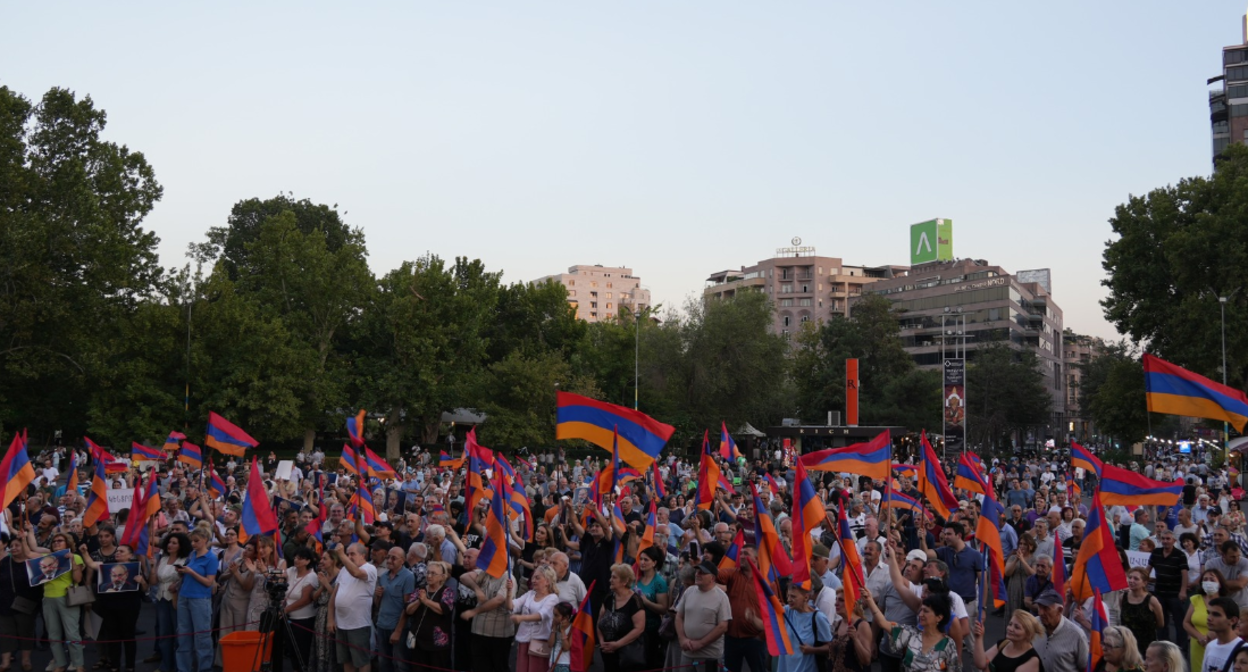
{"points": [[1223, 615], [351, 608]]}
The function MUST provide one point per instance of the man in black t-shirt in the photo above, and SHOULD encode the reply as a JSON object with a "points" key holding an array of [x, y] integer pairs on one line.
{"points": [[597, 555], [1171, 587]]}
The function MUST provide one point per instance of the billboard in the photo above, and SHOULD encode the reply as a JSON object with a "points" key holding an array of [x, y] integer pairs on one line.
{"points": [[931, 241], [1040, 276], [955, 404]]}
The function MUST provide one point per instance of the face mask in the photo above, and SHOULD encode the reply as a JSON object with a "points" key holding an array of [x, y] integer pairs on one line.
{"points": [[1210, 587]]}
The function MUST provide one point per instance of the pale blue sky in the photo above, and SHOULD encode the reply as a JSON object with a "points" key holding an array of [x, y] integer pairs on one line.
{"points": [[686, 137]]}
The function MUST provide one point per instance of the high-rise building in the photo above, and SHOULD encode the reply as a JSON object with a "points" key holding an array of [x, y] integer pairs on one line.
{"points": [[1078, 351], [598, 291], [803, 286], [987, 304], [1228, 106]]}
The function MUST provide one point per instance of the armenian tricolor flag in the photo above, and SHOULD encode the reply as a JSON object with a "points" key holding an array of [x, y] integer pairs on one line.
{"points": [[581, 649], [1096, 642], [1125, 487], [641, 437], [71, 481], [851, 563], [97, 498], [709, 475], [732, 556], [1174, 390], [932, 481], [140, 452], [347, 461], [906, 470], [1097, 566], [258, 517], [215, 485], [134, 520], [379, 467], [727, 447], [1059, 568], [872, 458], [17, 471], [808, 514], [112, 465], [988, 531], [772, 615], [446, 462], [658, 481], [477, 464], [227, 437], [355, 429], [772, 485], [172, 443], [900, 500], [970, 476], [647, 537], [191, 455], [609, 477], [1083, 458], [494, 557], [771, 556]]}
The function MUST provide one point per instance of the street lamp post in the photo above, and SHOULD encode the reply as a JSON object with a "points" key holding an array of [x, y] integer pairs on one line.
{"points": [[1226, 432]]}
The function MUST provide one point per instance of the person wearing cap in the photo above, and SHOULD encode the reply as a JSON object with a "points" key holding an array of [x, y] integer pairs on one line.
{"points": [[702, 619], [1063, 647], [821, 566], [925, 647], [899, 600]]}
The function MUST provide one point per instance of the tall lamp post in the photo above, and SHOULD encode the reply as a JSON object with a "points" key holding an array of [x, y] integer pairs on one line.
{"points": [[1226, 432]]}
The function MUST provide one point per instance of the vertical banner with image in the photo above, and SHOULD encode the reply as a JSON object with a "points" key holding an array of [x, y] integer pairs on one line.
{"points": [[955, 405]]}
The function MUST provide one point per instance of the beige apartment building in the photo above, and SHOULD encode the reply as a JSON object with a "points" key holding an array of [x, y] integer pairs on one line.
{"points": [[803, 286], [598, 292], [1078, 351]]}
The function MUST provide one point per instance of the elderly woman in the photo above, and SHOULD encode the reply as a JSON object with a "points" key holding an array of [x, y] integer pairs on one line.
{"points": [[1164, 657], [928, 649], [1122, 652], [1018, 568], [430, 619], [621, 620]]}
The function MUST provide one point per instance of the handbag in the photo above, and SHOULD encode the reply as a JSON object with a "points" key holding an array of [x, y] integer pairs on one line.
{"points": [[539, 647], [633, 655], [79, 596]]}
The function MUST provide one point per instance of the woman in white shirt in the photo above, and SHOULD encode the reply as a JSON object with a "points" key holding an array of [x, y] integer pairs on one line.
{"points": [[164, 575], [301, 583], [533, 614]]}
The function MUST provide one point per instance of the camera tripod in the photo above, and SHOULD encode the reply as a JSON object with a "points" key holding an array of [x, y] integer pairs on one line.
{"points": [[275, 628]]}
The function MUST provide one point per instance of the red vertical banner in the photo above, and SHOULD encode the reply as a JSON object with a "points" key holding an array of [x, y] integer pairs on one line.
{"points": [[851, 392]]}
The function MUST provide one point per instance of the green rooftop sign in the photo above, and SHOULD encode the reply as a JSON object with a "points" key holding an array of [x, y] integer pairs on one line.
{"points": [[931, 241]]}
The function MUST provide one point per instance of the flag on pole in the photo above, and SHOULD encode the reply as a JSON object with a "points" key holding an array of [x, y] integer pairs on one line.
{"points": [[581, 649], [379, 467], [709, 475], [872, 458], [732, 557], [173, 442], [772, 615], [71, 481], [494, 553], [191, 455], [1125, 487], [1097, 566], [258, 517], [1174, 390], [641, 437], [227, 437], [347, 461], [932, 481], [355, 429], [140, 452], [1084, 459], [16, 469], [808, 515], [727, 447], [97, 499]]}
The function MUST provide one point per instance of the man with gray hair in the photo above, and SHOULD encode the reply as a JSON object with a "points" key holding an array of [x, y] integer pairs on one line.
{"points": [[435, 538], [351, 608], [570, 587]]}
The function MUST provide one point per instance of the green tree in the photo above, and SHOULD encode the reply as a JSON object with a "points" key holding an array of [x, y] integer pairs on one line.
{"points": [[892, 391], [422, 343], [74, 260], [517, 395], [1005, 393], [1177, 250], [247, 220], [534, 319], [1116, 402]]}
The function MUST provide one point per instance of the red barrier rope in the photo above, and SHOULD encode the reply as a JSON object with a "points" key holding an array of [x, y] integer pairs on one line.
{"points": [[122, 641], [431, 667]]}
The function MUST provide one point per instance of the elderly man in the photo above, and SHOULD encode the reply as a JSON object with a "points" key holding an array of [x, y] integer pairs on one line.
{"points": [[1063, 647], [351, 608], [390, 598], [702, 619], [570, 587]]}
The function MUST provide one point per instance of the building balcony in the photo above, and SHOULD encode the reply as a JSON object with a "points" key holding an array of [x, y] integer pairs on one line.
{"points": [[805, 277]]}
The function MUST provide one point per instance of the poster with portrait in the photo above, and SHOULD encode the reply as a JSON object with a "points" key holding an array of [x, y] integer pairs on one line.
{"points": [[955, 404], [118, 577], [43, 569], [395, 500]]}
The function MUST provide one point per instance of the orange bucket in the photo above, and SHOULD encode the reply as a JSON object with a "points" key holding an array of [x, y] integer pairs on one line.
{"points": [[238, 651]]}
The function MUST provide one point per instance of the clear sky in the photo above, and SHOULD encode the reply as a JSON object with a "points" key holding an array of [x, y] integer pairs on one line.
{"points": [[678, 138]]}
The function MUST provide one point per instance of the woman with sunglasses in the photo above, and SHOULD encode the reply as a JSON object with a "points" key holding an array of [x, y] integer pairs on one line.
{"points": [[62, 620]]}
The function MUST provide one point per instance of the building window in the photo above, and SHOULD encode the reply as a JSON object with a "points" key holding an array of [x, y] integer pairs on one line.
{"points": [[608, 306], [786, 303], [1221, 127], [593, 314], [786, 320], [608, 293], [805, 318], [593, 284], [786, 289], [608, 284], [1238, 73], [572, 292], [571, 283], [593, 304], [804, 302], [805, 289]]}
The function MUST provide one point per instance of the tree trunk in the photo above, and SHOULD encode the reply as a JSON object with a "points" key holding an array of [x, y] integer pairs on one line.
{"points": [[309, 439], [394, 432]]}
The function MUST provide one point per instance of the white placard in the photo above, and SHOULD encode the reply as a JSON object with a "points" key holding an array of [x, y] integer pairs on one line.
{"points": [[119, 499], [284, 470], [1138, 558]]}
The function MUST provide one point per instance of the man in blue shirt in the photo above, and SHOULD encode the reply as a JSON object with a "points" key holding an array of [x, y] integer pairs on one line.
{"points": [[964, 563], [393, 587]]}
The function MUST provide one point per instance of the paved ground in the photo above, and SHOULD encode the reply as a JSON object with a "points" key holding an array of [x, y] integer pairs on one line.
{"points": [[147, 625]]}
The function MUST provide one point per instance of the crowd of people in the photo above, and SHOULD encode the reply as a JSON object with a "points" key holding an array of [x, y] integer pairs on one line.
{"points": [[404, 593]]}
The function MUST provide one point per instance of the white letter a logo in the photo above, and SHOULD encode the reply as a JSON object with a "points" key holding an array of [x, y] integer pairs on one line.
{"points": [[923, 242]]}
